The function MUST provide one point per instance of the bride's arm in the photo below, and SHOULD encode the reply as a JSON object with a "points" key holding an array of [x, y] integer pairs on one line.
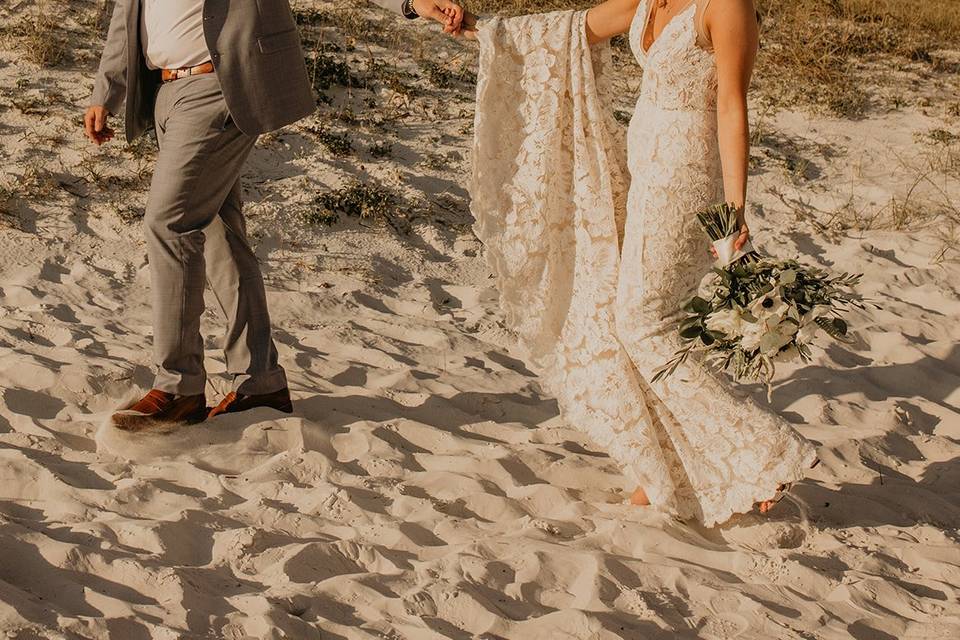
{"points": [[609, 19], [604, 21], [732, 29]]}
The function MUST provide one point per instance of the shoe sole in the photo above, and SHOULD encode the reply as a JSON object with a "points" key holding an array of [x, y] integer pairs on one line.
{"points": [[134, 422], [285, 409]]}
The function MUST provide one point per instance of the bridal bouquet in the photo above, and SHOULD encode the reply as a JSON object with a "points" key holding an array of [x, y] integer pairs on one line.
{"points": [[760, 310]]}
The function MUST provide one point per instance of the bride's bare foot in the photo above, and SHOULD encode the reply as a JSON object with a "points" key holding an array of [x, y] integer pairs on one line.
{"points": [[639, 498], [767, 505]]}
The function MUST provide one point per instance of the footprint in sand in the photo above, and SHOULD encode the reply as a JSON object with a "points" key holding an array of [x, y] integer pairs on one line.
{"points": [[724, 626]]}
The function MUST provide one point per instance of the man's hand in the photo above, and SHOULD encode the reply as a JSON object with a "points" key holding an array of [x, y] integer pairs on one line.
{"points": [[446, 12], [95, 125]]}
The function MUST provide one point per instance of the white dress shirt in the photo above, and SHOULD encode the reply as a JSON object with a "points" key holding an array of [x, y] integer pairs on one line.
{"points": [[171, 32]]}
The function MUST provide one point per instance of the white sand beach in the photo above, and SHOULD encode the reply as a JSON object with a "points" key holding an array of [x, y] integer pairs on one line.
{"points": [[425, 487]]}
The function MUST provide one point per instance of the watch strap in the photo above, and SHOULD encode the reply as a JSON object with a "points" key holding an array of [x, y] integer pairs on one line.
{"points": [[408, 11]]}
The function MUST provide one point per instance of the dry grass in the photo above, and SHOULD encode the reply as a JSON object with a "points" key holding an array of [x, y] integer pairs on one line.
{"points": [[929, 199], [336, 142], [520, 7], [357, 200], [42, 41], [813, 49], [7, 211], [921, 18], [39, 35], [55, 33], [33, 184]]}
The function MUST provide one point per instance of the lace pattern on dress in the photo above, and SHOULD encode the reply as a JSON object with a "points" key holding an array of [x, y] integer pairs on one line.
{"points": [[590, 280]]}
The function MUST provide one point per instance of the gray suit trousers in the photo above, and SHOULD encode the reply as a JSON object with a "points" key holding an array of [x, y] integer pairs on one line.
{"points": [[196, 233]]}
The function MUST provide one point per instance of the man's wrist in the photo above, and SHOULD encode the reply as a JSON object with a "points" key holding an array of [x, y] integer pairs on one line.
{"points": [[406, 8]]}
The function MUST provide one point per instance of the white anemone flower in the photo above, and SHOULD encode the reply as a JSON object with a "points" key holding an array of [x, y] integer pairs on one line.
{"points": [[770, 305], [729, 322]]}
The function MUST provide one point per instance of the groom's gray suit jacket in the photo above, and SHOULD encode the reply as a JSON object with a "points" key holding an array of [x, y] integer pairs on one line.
{"points": [[254, 46]]}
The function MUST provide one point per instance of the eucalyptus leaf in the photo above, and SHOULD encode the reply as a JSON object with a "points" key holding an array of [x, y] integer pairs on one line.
{"points": [[700, 305], [840, 326], [692, 332]]}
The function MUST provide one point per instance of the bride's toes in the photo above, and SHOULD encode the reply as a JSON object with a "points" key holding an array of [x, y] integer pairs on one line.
{"points": [[766, 505], [639, 498]]}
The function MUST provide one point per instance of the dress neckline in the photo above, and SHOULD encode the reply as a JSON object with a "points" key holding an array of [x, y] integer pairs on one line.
{"points": [[648, 20]]}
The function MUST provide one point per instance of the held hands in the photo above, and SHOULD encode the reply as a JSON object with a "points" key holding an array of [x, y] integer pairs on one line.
{"points": [[446, 12], [95, 125], [455, 20]]}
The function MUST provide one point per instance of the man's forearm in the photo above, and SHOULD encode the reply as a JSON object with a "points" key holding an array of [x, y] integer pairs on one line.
{"points": [[110, 86]]}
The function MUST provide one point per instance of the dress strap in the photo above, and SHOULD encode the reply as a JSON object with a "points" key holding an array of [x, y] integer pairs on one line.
{"points": [[700, 24], [700, 21]]}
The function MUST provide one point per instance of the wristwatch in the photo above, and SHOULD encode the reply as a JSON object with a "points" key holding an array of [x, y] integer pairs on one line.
{"points": [[408, 11]]}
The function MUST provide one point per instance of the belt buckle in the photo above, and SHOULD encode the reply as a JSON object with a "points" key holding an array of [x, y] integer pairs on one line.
{"points": [[183, 73]]}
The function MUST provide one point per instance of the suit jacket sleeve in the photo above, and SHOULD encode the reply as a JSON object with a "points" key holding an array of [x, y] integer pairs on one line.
{"points": [[391, 5], [110, 86]]}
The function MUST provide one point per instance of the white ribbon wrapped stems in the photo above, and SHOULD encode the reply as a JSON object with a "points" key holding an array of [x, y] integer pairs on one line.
{"points": [[727, 253]]}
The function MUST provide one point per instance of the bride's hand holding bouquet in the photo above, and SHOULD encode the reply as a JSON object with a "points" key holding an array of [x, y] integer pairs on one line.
{"points": [[760, 310]]}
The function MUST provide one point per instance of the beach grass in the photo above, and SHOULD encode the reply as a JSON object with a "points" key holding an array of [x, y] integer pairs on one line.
{"points": [[813, 51]]}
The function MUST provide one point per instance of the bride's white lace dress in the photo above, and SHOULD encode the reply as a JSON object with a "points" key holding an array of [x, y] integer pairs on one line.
{"points": [[592, 288]]}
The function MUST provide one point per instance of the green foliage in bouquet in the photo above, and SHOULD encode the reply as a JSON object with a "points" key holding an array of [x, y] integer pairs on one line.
{"points": [[761, 310]]}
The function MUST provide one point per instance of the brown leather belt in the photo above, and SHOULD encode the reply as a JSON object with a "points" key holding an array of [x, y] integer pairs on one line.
{"points": [[169, 75]]}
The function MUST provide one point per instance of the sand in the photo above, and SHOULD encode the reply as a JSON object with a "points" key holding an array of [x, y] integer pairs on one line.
{"points": [[425, 487]]}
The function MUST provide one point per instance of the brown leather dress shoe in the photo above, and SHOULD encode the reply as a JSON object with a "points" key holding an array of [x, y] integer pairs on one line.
{"points": [[161, 411], [234, 402]]}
